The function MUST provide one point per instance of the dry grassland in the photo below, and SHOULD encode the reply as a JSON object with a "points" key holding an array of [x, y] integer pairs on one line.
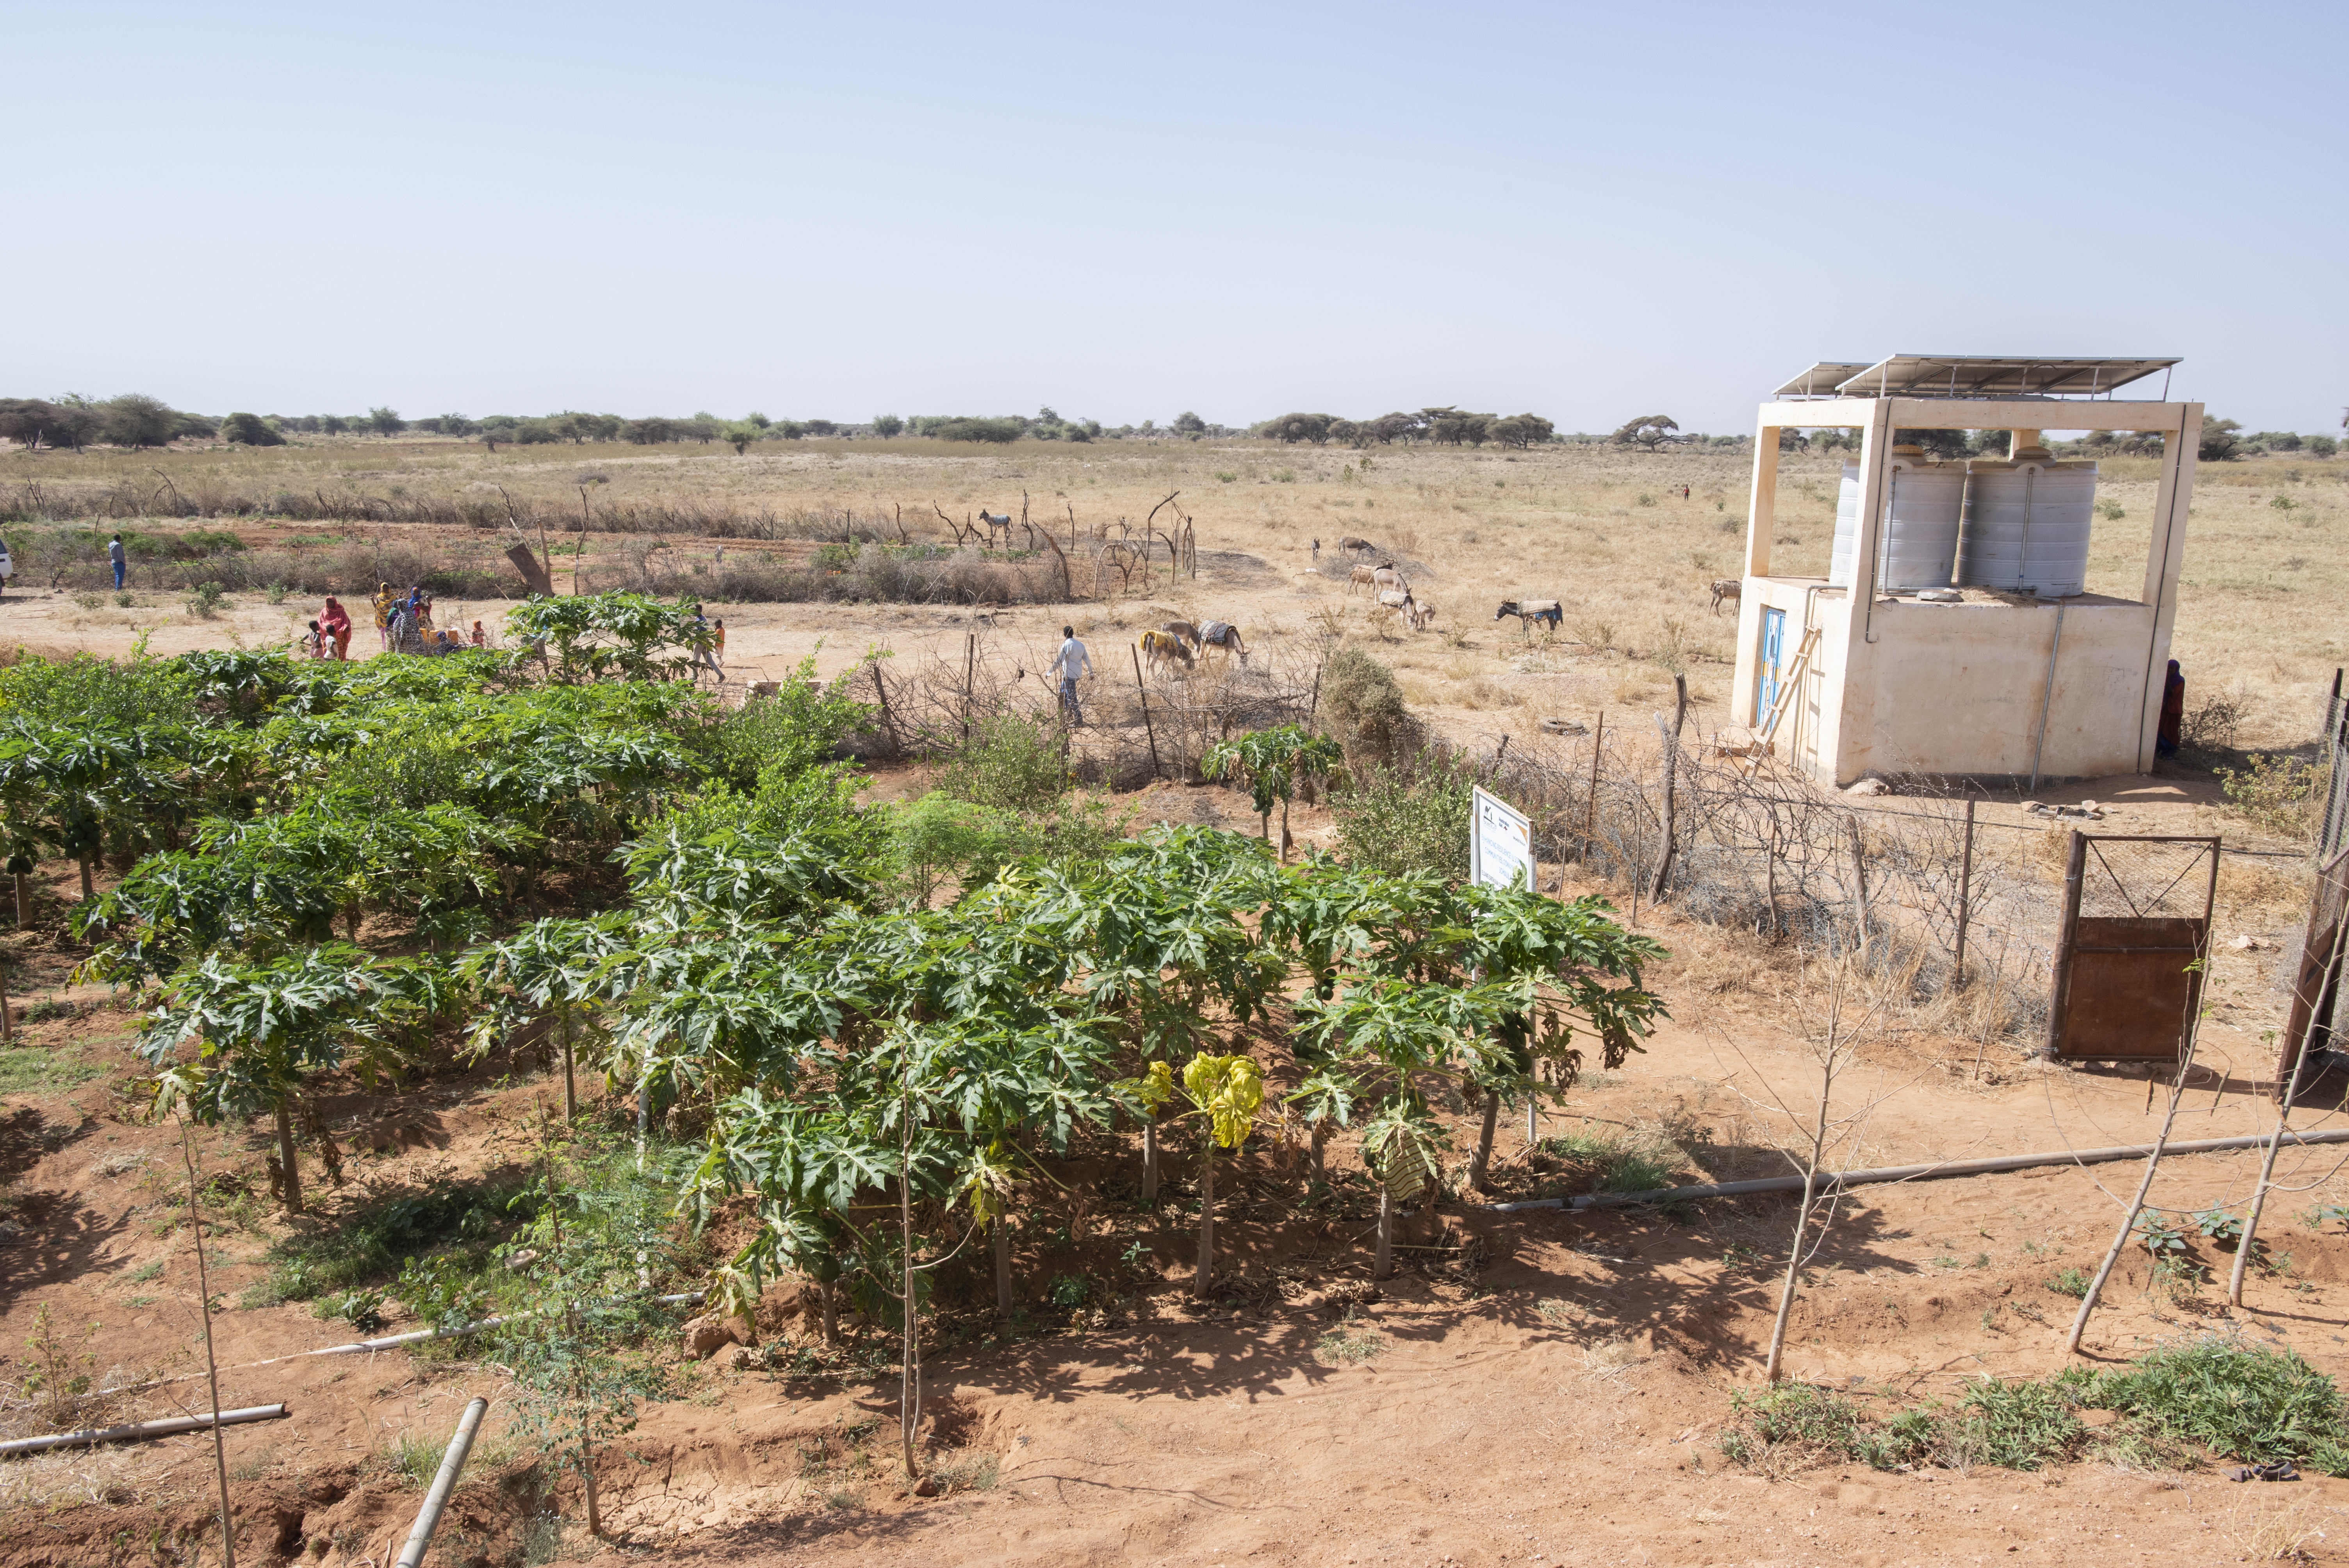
{"points": [[2264, 611]]}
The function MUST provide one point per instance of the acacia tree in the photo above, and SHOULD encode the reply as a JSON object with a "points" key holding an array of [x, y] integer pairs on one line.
{"points": [[263, 1031], [1275, 761], [1648, 432]]}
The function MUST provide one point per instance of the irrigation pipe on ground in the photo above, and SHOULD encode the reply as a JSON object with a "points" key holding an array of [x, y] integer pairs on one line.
{"points": [[428, 1518], [142, 1431], [368, 1346], [1988, 1167]]}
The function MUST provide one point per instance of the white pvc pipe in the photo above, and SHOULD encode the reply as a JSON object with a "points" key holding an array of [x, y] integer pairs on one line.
{"points": [[1988, 1167], [428, 1518], [142, 1431]]}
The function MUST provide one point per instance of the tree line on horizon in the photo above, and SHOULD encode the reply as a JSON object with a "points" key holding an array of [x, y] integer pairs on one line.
{"points": [[136, 421]]}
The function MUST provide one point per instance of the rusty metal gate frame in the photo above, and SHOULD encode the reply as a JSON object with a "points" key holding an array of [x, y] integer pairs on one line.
{"points": [[2118, 938], [2316, 989]]}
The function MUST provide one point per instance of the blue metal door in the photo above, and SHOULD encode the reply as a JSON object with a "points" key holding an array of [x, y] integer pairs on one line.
{"points": [[1774, 636]]}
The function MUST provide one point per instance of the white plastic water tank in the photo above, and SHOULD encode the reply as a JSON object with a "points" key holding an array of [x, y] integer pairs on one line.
{"points": [[2027, 527], [1924, 502]]}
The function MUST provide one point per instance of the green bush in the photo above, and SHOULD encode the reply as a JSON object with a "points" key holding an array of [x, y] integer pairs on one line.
{"points": [[2278, 793], [1010, 763], [2238, 1400], [1790, 1414], [1365, 707], [2073, 1283], [1621, 1164], [1400, 823], [247, 430], [208, 601]]}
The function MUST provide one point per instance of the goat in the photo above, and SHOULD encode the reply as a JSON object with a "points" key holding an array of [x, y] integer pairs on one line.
{"points": [[1415, 613], [1388, 577], [1731, 588], [1360, 577], [1183, 632], [1161, 648], [1549, 612], [1223, 636], [1350, 542], [993, 520]]}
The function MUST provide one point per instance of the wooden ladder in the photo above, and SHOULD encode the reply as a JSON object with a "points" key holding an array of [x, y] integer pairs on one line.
{"points": [[1765, 737]]}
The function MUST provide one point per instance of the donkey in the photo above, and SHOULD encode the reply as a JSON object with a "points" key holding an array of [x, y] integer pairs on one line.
{"points": [[1223, 636], [1549, 611], [1165, 648], [1350, 542]]}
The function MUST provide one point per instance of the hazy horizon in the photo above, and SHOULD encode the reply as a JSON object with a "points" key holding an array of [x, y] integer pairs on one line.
{"points": [[1584, 213]]}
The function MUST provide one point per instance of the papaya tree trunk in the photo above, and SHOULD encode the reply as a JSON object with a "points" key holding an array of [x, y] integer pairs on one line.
{"points": [[570, 1079], [1207, 1222], [89, 891], [1284, 830], [830, 1308], [1150, 1163], [24, 900], [1484, 1139], [1385, 1265], [1320, 1161], [1002, 1270], [285, 1158]]}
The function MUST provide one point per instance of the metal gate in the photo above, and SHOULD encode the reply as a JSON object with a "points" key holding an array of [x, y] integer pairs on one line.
{"points": [[2129, 951], [2316, 991]]}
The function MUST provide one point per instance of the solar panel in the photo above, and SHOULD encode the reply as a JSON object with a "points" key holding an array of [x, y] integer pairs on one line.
{"points": [[1971, 376]]}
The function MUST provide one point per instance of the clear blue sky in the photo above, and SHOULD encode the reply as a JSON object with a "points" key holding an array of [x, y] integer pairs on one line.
{"points": [[1588, 212]]}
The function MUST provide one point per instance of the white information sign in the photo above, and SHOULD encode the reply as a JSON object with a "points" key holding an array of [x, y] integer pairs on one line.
{"points": [[1500, 843]]}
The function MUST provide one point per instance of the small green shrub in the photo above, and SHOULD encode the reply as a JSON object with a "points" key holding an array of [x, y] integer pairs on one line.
{"points": [[968, 1470], [1620, 1164], [2018, 1426], [2278, 793], [2073, 1283], [2238, 1400], [1010, 763], [1790, 1415], [1349, 1345], [1400, 823], [207, 600], [415, 1458], [1069, 1291]]}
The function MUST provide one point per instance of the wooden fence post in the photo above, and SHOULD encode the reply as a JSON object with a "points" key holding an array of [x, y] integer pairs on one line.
{"points": [[1144, 690], [969, 678]]}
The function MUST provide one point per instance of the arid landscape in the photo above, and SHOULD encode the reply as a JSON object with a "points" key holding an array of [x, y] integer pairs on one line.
{"points": [[1529, 1385]]}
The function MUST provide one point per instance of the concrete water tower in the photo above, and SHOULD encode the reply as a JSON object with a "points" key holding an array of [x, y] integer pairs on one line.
{"points": [[1954, 634]]}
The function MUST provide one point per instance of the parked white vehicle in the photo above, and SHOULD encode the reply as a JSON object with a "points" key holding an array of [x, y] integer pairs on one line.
{"points": [[7, 567]]}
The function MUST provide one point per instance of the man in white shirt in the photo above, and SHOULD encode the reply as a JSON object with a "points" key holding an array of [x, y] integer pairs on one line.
{"points": [[1071, 662]]}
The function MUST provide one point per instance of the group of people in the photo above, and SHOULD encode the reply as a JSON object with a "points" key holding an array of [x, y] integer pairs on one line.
{"points": [[399, 617], [329, 636]]}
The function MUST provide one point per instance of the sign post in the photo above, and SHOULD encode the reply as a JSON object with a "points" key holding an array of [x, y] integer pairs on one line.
{"points": [[1500, 843]]}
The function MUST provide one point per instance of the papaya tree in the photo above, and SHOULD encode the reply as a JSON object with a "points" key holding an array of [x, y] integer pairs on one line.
{"points": [[1225, 1092], [263, 1032], [1275, 762], [1162, 945]]}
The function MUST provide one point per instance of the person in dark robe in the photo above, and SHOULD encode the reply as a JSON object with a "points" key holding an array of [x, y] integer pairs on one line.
{"points": [[2173, 713]]}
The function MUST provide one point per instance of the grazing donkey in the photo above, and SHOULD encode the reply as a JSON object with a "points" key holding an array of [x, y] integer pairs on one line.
{"points": [[1224, 637], [1164, 648]]}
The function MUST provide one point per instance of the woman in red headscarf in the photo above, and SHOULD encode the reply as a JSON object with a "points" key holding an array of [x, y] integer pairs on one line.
{"points": [[337, 621]]}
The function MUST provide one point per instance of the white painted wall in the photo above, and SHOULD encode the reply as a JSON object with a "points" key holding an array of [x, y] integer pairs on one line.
{"points": [[1953, 688]]}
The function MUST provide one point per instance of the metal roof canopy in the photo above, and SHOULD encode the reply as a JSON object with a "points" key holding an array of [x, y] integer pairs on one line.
{"points": [[1969, 376]]}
